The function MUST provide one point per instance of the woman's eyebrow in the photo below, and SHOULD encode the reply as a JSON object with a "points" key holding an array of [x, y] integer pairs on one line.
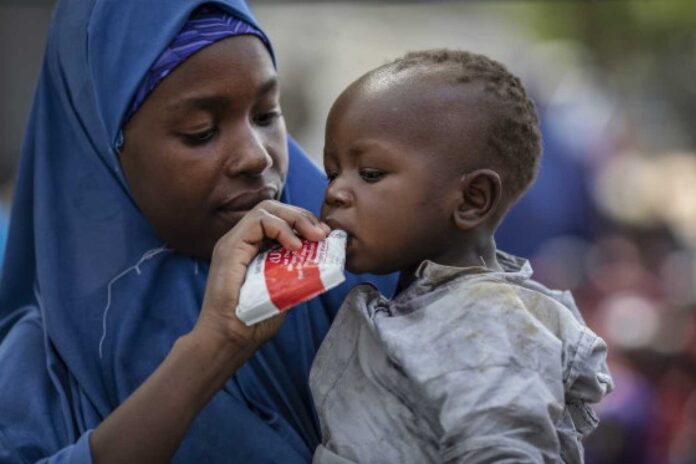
{"points": [[206, 102], [213, 102], [269, 85]]}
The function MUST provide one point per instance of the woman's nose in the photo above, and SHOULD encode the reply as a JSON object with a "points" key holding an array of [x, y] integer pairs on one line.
{"points": [[248, 155], [337, 194]]}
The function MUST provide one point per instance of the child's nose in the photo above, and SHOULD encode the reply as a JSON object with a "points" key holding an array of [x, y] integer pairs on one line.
{"points": [[337, 195]]}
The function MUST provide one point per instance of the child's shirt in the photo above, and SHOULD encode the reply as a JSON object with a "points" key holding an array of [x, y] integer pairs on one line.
{"points": [[465, 365]]}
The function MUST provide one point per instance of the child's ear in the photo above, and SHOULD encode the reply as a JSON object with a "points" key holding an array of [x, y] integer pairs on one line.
{"points": [[479, 194]]}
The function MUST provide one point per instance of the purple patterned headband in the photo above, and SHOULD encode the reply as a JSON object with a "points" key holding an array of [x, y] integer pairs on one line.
{"points": [[205, 26]]}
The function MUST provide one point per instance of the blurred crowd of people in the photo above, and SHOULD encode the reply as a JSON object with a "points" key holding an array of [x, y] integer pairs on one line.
{"points": [[618, 228]]}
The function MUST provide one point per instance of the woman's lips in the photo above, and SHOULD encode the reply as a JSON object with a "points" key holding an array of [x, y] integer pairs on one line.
{"points": [[241, 202]]}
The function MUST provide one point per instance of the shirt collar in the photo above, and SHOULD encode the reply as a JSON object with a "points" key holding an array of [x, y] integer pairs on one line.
{"points": [[515, 270]]}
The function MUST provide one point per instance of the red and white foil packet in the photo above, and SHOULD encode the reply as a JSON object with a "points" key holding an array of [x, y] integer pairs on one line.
{"points": [[279, 279]]}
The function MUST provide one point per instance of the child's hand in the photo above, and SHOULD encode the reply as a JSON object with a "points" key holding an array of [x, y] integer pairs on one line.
{"points": [[231, 257]]}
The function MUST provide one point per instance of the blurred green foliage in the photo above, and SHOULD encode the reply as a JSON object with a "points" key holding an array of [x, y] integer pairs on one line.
{"points": [[644, 47], [614, 29]]}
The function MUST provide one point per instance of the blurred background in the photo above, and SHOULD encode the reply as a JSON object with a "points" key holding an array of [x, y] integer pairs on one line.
{"points": [[611, 217]]}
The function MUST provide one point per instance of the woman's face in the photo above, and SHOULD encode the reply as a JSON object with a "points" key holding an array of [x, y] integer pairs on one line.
{"points": [[207, 145]]}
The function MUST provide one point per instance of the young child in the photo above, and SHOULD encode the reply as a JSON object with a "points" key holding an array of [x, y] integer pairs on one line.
{"points": [[471, 361]]}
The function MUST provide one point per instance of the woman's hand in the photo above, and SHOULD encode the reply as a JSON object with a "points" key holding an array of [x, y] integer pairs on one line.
{"points": [[232, 254], [150, 424]]}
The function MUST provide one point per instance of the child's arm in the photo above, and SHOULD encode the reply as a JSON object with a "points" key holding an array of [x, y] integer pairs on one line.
{"points": [[506, 376], [497, 414]]}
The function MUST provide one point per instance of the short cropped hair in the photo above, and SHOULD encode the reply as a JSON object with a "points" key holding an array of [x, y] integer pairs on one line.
{"points": [[513, 142]]}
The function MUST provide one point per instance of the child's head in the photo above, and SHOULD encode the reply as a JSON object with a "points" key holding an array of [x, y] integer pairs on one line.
{"points": [[424, 156]]}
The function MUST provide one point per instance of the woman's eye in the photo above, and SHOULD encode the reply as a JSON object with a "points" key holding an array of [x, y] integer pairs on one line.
{"points": [[267, 118], [371, 175], [199, 138]]}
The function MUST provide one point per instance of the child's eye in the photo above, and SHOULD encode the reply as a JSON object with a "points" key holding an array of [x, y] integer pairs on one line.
{"points": [[200, 138], [331, 175], [371, 175], [267, 118]]}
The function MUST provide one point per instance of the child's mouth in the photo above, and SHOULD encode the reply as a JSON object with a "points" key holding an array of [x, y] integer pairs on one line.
{"points": [[334, 224]]}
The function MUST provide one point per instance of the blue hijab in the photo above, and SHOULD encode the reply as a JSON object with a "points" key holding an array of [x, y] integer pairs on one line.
{"points": [[91, 301]]}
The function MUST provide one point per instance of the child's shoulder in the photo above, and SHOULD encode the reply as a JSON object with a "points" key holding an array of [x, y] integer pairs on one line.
{"points": [[481, 320], [520, 313]]}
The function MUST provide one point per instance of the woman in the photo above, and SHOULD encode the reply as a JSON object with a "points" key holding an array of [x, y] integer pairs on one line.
{"points": [[153, 160]]}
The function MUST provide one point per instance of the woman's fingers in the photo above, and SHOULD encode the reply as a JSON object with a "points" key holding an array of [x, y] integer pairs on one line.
{"points": [[268, 220], [305, 223], [234, 252], [278, 229], [237, 249]]}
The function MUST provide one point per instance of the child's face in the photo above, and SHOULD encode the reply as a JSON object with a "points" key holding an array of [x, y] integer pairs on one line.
{"points": [[390, 186]]}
